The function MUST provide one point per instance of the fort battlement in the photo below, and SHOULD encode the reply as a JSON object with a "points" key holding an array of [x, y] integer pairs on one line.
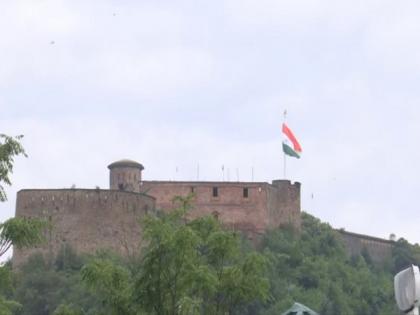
{"points": [[91, 219], [251, 207], [86, 219], [379, 249]]}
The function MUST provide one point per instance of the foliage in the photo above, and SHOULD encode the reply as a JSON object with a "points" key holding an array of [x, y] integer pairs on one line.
{"points": [[312, 268], [45, 288], [404, 255], [112, 282], [21, 232], [195, 267], [9, 148], [187, 267], [65, 309], [6, 290]]}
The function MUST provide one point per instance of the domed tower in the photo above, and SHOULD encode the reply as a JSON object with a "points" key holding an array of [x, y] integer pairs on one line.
{"points": [[125, 175]]}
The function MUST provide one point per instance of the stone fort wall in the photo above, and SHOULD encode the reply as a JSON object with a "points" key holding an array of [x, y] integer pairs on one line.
{"points": [[378, 249], [283, 204], [251, 207], [91, 219], [86, 219]]}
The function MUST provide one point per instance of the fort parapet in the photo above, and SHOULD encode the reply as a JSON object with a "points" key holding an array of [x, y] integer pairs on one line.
{"points": [[378, 249], [91, 219], [85, 219], [251, 207]]}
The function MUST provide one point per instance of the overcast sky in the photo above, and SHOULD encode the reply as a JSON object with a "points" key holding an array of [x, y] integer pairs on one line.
{"points": [[180, 83]]}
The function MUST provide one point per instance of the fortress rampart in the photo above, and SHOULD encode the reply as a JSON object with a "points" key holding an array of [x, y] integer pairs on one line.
{"points": [[378, 249], [92, 219], [86, 219], [251, 207]]}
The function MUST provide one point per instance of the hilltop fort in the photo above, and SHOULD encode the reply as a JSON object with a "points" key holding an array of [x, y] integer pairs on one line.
{"points": [[91, 219]]}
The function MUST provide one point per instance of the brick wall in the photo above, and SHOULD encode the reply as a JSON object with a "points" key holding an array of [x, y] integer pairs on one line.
{"points": [[283, 204], [379, 249], [86, 219], [267, 206]]}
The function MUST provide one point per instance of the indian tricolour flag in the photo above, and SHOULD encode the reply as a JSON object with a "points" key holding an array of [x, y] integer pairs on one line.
{"points": [[291, 146]]}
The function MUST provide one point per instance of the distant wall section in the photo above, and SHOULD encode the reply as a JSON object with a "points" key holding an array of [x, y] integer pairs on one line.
{"points": [[283, 204], [86, 219], [378, 249], [247, 206]]}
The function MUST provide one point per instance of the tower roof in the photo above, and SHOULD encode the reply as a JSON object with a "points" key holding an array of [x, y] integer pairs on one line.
{"points": [[126, 163]]}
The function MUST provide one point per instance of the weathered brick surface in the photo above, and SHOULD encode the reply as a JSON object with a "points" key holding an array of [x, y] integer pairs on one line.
{"points": [[89, 220], [86, 219], [125, 175], [267, 206], [283, 204], [92, 219], [379, 249]]}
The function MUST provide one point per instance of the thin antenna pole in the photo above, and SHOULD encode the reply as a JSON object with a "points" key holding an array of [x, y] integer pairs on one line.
{"points": [[223, 171], [284, 153], [284, 166]]}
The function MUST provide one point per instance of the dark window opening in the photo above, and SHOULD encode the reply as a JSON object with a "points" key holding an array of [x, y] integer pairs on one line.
{"points": [[246, 192], [121, 186], [215, 214], [192, 189], [215, 192]]}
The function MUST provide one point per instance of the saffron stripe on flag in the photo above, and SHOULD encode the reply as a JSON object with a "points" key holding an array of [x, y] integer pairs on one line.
{"points": [[292, 138]]}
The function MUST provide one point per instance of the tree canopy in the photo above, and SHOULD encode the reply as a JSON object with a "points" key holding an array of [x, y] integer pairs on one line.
{"points": [[186, 267], [10, 147], [20, 232]]}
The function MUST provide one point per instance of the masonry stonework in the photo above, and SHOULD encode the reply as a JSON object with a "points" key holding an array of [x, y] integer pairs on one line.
{"points": [[378, 249], [92, 219], [252, 207], [86, 219]]}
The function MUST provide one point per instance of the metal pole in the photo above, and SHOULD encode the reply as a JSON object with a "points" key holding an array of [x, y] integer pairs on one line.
{"points": [[284, 154], [284, 170]]}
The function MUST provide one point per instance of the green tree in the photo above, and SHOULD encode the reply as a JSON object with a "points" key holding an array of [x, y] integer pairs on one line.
{"points": [[20, 232], [187, 267], [312, 267], [197, 261], [10, 147], [43, 288], [111, 282], [404, 255], [64, 309]]}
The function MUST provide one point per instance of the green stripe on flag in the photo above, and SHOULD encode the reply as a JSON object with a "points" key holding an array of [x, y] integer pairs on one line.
{"points": [[289, 151]]}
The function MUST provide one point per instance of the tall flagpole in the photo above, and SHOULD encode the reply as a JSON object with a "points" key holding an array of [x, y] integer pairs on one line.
{"points": [[284, 153]]}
